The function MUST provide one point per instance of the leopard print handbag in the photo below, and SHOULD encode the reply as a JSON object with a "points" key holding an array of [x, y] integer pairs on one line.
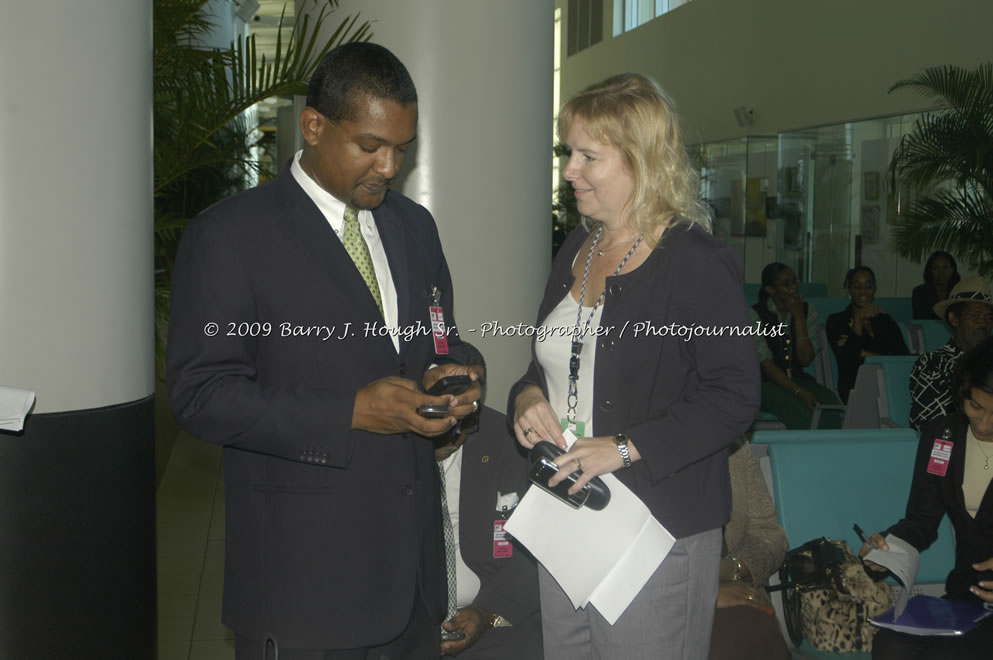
{"points": [[828, 598]]}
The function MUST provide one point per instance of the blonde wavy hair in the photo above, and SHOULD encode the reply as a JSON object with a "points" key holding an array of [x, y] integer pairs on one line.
{"points": [[633, 113]]}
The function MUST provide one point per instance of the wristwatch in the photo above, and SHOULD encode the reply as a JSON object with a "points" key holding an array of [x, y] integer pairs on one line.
{"points": [[497, 621], [737, 567], [621, 441]]}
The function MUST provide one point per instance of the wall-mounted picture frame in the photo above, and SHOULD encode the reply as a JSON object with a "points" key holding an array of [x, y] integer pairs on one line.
{"points": [[870, 186], [870, 224]]}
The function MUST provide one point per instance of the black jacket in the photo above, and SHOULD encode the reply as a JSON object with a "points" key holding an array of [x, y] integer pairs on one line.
{"points": [[932, 497]]}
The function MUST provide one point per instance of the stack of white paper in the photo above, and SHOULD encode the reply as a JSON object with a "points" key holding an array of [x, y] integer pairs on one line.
{"points": [[15, 405], [600, 557]]}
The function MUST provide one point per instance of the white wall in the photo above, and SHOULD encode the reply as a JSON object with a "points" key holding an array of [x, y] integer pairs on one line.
{"points": [[798, 63]]}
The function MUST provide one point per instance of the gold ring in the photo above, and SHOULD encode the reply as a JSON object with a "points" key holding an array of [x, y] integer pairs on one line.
{"points": [[749, 597], [475, 406], [528, 431], [579, 464]]}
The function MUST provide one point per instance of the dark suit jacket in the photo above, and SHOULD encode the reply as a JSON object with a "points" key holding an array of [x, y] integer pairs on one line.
{"points": [[492, 463], [932, 497], [329, 530], [681, 402]]}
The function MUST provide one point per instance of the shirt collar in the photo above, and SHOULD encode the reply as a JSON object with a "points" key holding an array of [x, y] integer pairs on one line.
{"points": [[332, 208]]}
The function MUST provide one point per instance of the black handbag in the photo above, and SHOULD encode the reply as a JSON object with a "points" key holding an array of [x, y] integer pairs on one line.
{"points": [[594, 495]]}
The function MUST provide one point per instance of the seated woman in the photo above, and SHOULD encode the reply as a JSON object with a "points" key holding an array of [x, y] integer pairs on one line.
{"points": [[786, 345], [941, 273], [861, 329], [962, 491], [745, 625]]}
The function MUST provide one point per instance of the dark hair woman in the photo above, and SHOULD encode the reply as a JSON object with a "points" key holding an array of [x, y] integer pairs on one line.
{"points": [[787, 344], [941, 273], [861, 329], [961, 489]]}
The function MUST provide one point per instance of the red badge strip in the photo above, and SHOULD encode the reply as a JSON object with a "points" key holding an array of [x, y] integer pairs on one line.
{"points": [[941, 453], [502, 547]]}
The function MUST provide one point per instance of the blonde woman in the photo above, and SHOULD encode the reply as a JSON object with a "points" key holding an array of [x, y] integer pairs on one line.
{"points": [[650, 377]]}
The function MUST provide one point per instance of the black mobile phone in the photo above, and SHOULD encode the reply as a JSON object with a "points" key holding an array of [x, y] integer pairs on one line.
{"points": [[594, 495], [433, 411], [450, 385], [452, 635]]}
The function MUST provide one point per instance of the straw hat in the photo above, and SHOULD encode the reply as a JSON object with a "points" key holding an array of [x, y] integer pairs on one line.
{"points": [[973, 289]]}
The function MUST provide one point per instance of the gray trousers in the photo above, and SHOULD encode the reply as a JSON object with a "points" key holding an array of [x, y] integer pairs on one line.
{"points": [[670, 618]]}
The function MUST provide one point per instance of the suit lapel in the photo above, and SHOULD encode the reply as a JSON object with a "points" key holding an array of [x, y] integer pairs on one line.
{"points": [[309, 230]]}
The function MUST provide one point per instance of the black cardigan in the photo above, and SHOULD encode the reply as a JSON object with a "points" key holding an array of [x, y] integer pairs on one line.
{"points": [[932, 497], [681, 402]]}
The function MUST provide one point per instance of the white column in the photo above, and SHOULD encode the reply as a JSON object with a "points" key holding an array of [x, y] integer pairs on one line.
{"points": [[76, 273], [77, 486], [482, 160]]}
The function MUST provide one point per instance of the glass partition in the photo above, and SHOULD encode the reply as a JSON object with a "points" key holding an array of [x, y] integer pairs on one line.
{"points": [[817, 199]]}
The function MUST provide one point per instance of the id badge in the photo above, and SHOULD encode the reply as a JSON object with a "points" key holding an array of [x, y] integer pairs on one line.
{"points": [[941, 453], [576, 427], [437, 315], [502, 547]]}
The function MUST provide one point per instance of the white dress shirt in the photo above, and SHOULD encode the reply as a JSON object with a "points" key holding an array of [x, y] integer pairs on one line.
{"points": [[333, 210], [466, 581]]}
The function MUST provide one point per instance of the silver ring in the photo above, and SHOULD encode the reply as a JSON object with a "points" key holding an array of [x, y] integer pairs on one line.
{"points": [[475, 406], [528, 431]]}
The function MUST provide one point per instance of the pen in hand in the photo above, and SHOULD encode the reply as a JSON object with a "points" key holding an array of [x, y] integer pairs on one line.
{"points": [[865, 539]]}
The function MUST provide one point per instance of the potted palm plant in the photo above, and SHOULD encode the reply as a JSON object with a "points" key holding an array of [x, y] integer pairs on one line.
{"points": [[947, 159]]}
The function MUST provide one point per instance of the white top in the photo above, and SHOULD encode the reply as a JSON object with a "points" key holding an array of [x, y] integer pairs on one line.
{"points": [[553, 355], [466, 581], [976, 479], [333, 210]]}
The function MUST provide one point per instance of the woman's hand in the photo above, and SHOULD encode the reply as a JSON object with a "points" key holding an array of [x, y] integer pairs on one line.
{"points": [[534, 419], [877, 542], [795, 305], [984, 588], [738, 593], [806, 397], [862, 316], [593, 457]]}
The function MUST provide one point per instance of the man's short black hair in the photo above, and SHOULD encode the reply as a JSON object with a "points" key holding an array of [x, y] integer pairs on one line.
{"points": [[353, 69]]}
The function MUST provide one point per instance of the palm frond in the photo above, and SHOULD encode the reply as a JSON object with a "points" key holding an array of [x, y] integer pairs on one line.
{"points": [[947, 158]]}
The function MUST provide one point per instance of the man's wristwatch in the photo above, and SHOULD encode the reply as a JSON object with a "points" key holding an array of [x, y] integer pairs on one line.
{"points": [[621, 441], [497, 621]]}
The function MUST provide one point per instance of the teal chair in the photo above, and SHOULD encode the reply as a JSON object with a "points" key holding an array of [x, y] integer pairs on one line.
{"points": [[813, 289], [901, 309], [930, 335], [825, 481], [826, 306], [894, 395]]}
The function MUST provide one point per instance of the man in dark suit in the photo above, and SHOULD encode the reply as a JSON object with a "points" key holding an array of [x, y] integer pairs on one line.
{"points": [[496, 596], [300, 336]]}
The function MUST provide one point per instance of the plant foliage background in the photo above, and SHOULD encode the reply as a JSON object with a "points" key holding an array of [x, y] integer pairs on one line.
{"points": [[948, 160]]}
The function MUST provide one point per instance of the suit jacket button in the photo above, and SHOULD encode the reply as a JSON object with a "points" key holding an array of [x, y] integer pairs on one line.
{"points": [[402, 369], [406, 489], [606, 405], [615, 289]]}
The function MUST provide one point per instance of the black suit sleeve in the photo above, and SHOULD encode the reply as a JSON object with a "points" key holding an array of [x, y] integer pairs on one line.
{"points": [[925, 506], [214, 387]]}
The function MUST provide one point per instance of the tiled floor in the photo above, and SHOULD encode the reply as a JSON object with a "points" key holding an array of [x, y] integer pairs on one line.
{"points": [[190, 540]]}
